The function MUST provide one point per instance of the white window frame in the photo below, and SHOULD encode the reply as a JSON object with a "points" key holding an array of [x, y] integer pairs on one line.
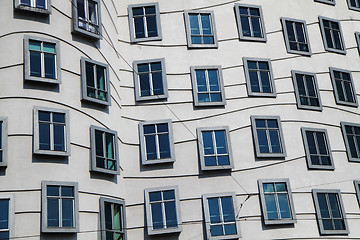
{"points": [[11, 217], [32, 8], [75, 20], [4, 141]]}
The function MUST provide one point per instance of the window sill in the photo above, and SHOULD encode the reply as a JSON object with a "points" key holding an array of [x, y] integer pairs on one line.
{"points": [[33, 10]]}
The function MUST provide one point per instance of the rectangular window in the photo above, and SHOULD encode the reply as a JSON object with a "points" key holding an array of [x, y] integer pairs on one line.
{"points": [[250, 22], [144, 20], [220, 217], [331, 2], [60, 207], [3, 141], [344, 90], [86, 18], [104, 150], [51, 131], [306, 90], [6, 217], [259, 77], [268, 136], [357, 189], [208, 86], [354, 4], [95, 81], [357, 37], [296, 36], [330, 211], [332, 35], [150, 79], [200, 29], [37, 6], [214, 148], [113, 220], [276, 201], [163, 210], [351, 134], [42, 61], [156, 142]]}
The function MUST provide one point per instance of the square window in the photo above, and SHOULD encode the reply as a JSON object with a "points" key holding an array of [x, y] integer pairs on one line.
{"points": [[351, 134], [220, 217], [276, 201], [156, 142], [331, 2], [214, 148], [150, 79], [163, 210], [344, 90], [95, 82], [296, 36], [332, 35], [104, 150], [330, 211], [7, 213], [42, 60], [357, 189], [259, 77], [200, 29], [306, 90], [51, 131], [144, 21], [317, 148], [3, 141], [112, 218], [86, 18], [35, 6], [208, 86], [250, 22], [59, 207], [354, 4]]}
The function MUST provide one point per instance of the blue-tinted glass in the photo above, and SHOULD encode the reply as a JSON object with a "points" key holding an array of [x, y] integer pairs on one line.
{"points": [[228, 209], [164, 146], [150, 10], [34, 45], [99, 143], [206, 25], [25, 2], [156, 66], [263, 142], [50, 68], [275, 141], [348, 92], [254, 12], [243, 10], [163, 127], [284, 206], [35, 64], [41, 4], [310, 86], [230, 229], [44, 136], [151, 26], [265, 82], [256, 27], [138, 11], [328, 38], [254, 81], [210, 161], [109, 145], [157, 217], [208, 143], [213, 80], [150, 147], [290, 31], [67, 191], [263, 66], [194, 24], [155, 196], [204, 97], [339, 224], [90, 81], [4, 214], [208, 40], [223, 160], [300, 85], [59, 137], [157, 83], [201, 81], [268, 187], [280, 187], [216, 230], [252, 65], [139, 27], [321, 143], [148, 129], [169, 194], [4, 235], [271, 208], [245, 26], [300, 32], [49, 47], [220, 138], [214, 210], [334, 205], [170, 214], [272, 123], [67, 212], [53, 212], [215, 97], [323, 205], [260, 123], [44, 116], [52, 191], [59, 117], [144, 85], [196, 40], [142, 68]]}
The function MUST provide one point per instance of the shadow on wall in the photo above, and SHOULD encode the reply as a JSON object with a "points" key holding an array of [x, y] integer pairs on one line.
{"points": [[58, 236]]}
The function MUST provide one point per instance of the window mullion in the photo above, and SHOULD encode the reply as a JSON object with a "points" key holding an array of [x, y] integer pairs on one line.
{"points": [[293, 25], [145, 23], [355, 141], [112, 221], [157, 146], [42, 59], [329, 210], [221, 214], [306, 88], [277, 202], [52, 136], [332, 36], [104, 149], [95, 82], [60, 206], [214, 144], [151, 85], [200, 29], [250, 24], [163, 209], [268, 137], [207, 80]]}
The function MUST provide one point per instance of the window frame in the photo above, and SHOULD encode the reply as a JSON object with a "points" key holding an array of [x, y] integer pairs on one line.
{"points": [[36, 132], [239, 26], [338, 101], [357, 37], [347, 146], [84, 95], [45, 11], [133, 38], [93, 167], [104, 200], [330, 2], [4, 141], [44, 211], [248, 82], [322, 30], [267, 221], [11, 217], [318, 214], [188, 29], [151, 231], [258, 154], [352, 7], [197, 103], [138, 96]]}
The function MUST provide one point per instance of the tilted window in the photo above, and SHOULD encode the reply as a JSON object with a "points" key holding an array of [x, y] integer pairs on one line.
{"points": [[330, 211], [163, 210], [357, 36], [3, 141], [250, 22], [36, 6], [95, 81], [351, 134], [332, 35], [354, 4], [208, 86], [296, 36], [112, 218], [200, 29], [268, 136], [357, 189], [87, 18], [104, 150], [6, 217], [259, 77], [344, 90], [59, 207], [144, 20], [330, 2]]}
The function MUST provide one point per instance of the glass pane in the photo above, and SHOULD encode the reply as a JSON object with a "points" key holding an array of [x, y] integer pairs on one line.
{"points": [[50, 66], [81, 9], [324, 212], [243, 11], [208, 142], [272, 123], [300, 85], [348, 92], [52, 191], [144, 85], [340, 92], [263, 142], [150, 10], [157, 83], [67, 212], [194, 24], [208, 40], [34, 45], [162, 128], [109, 141], [35, 64], [271, 208], [44, 116], [44, 136], [310, 86], [223, 160], [148, 129], [117, 217], [59, 137], [215, 97], [108, 217], [284, 206], [300, 32], [280, 187], [290, 31], [53, 212], [4, 214], [220, 138], [67, 191], [49, 47], [157, 217], [334, 205], [4, 235], [156, 66], [260, 123], [254, 12], [150, 144], [213, 80], [138, 11], [196, 40], [169, 194], [151, 26], [311, 142], [170, 214], [268, 187], [99, 143], [245, 26], [155, 196], [139, 27], [206, 25], [328, 38], [26, 3], [228, 209], [230, 229], [337, 40], [321, 143], [92, 12], [254, 81], [275, 141], [210, 161], [214, 210], [339, 224], [58, 117], [100, 75], [164, 146], [90, 81], [201, 81], [216, 230], [256, 27], [265, 82], [352, 146]]}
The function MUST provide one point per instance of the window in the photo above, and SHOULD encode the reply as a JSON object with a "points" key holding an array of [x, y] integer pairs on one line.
{"points": [[250, 22], [144, 20], [163, 210], [208, 86], [87, 18], [113, 220], [306, 90], [51, 131], [3, 142], [344, 90], [6, 217], [220, 218], [156, 142], [42, 60], [332, 35], [59, 207], [268, 136], [296, 36], [276, 201], [37, 6], [331, 2], [357, 36], [104, 150], [150, 79], [354, 4], [200, 29], [330, 211], [317, 148], [95, 81], [214, 148], [259, 77], [351, 134], [357, 188]]}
